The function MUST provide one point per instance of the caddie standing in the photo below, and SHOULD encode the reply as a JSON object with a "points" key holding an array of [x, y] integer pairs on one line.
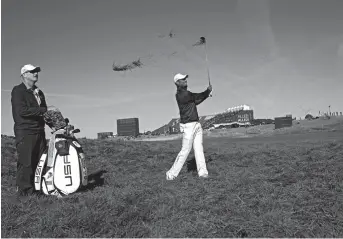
{"points": [[28, 108], [190, 127]]}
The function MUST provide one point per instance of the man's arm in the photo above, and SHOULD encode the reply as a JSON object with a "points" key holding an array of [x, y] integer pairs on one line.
{"points": [[19, 105], [200, 97]]}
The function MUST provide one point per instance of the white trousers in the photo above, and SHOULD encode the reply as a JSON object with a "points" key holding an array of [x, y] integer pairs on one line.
{"points": [[192, 136]]}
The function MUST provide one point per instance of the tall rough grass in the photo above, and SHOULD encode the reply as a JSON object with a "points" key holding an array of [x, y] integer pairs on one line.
{"points": [[257, 188]]}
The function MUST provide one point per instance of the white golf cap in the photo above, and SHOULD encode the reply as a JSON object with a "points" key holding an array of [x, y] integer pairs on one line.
{"points": [[179, 76], [29, 68]]}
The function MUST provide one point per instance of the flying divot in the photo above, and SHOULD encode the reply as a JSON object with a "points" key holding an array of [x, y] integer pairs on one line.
{"points": [[128, 67], [201, 42], [172, 54], [171, 34]]}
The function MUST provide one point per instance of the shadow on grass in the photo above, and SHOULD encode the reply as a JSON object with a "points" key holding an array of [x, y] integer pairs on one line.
{"points": [[192, 166], [95, 179]]}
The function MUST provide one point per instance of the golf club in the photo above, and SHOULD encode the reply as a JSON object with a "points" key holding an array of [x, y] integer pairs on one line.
{"points": [[207, 65]]}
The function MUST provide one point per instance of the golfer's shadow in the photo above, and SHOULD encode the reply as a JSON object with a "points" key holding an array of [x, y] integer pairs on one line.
{"points": [[192, 165], [95, 179]]}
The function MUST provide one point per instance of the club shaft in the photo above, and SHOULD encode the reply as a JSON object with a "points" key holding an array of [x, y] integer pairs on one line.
{"points": [[207, 67], [208, 70]]}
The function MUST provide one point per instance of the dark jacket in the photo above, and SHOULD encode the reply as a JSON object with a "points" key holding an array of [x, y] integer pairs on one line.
{"points": [[187, 102], [27, 114]]}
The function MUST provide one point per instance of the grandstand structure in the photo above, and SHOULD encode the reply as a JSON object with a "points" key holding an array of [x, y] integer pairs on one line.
{"points": [[241, 115]]}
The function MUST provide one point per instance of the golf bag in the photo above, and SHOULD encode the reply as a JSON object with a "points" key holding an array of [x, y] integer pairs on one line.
{"points": [[61, 169]]}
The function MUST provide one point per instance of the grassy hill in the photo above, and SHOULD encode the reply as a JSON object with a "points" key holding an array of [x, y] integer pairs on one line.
{"points": [[278, 185]]}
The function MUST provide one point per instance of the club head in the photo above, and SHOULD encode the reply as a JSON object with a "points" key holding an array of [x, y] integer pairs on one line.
{"points": [[76, 131]]}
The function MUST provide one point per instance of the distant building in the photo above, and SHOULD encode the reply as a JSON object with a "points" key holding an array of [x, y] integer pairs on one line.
{"points": [[238, 108], [263, 121], [309, 117], [282, 122], [128, 127], [236, 116], [105, 135]]}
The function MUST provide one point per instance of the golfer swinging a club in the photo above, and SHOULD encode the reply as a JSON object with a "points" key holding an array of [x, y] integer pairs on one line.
{"points": [[190, 127]]}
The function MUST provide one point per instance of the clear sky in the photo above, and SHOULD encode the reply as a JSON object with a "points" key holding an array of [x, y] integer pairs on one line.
{"points": [[279, 57]]}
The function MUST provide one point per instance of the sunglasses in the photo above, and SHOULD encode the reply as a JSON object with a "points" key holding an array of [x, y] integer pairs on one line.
{"points": [[32, 72]]}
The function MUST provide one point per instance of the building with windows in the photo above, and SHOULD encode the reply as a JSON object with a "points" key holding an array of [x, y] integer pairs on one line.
{"points": [[128, 127], [282, 122], [105, 135], [240, 118]]}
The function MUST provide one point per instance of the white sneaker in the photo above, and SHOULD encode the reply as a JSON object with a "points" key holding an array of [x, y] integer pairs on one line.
{"points": [[168, 177], [203, 176]]}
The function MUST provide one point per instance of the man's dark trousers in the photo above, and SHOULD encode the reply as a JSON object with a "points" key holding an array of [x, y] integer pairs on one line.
{"points": [[30, 148]]}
